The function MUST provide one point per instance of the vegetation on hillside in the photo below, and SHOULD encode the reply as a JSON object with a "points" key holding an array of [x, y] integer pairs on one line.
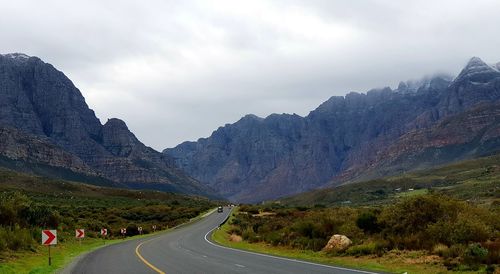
{"points": [[29, 204], [476, 180]]}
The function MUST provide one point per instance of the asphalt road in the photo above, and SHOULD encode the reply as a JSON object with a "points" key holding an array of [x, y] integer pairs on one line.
{"points": [[189, 250]]}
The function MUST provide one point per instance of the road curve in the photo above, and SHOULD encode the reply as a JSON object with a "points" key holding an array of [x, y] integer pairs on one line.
{"points": [[189, 250]]}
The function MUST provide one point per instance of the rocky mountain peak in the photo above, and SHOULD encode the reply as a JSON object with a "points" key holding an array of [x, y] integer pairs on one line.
{"points": [[116, 124], [252, 117], [424, 84], [16, 56], [477, 71], [117, 138]]}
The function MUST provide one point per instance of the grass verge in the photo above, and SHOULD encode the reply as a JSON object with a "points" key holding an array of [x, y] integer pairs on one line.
{"points": [[62, 254]]}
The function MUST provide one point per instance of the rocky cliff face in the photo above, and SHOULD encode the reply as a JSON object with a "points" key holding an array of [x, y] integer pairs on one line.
{"points": [[26, 147], [256, 159], [472, 133], [54, 126]]}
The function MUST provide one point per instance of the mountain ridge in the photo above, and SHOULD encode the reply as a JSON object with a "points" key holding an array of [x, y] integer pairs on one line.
{"points": [[51, 115], [266, 158]]}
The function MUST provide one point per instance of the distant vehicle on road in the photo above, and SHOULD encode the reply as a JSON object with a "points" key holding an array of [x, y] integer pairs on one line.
{"points": [[220, 209]]}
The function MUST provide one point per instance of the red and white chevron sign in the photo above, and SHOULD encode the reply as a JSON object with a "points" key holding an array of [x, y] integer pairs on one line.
{"points": [[104, 232], [49, 237], [80, 233]]}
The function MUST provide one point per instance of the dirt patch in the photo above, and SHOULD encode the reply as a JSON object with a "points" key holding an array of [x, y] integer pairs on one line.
{"points": [[264, 214], [235, 238], [430, 259]]}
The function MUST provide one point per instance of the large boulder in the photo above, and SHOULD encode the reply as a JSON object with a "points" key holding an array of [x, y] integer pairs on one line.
{"points": [[338, 243]]}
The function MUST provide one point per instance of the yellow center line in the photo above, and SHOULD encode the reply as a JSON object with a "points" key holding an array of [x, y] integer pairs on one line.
{"points": [[144, 260]]}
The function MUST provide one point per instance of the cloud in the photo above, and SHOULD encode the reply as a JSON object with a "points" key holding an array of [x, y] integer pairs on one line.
{"points": [[177, 70]]}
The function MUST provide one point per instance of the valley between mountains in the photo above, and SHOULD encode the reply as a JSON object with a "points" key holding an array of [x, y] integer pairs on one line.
{"points": [[408, 175], [48, 129]]}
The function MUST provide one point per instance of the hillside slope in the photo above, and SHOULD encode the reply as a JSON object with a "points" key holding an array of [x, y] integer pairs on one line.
{"points": [[476, 180]]}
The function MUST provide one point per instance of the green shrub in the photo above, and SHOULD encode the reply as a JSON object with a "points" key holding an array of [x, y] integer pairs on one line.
{"points": [[423, 221], [377, 247], [351, 231], [249, 235], [235, 230], [274, 238], [440, 250], [368, 222], [455, 251], [235, 221], [466, 227], [475, 254], [15, 239], [304, 243], [304, 228], [490, 269]]}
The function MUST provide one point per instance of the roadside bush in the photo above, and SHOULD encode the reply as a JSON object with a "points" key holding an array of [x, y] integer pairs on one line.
{"points": [[351, 231], [249, 235], [490, 269], [235, 221], [12, 204], [308, 243], [360, 250], [440, 250], [274, 238], [475, 254], [493, 248], [367, 249], [283, 212], [235, 230], [368, 222], [15, 239], [422, 222], [455, 251], [305, 229], [465, 228], [250, 209]]}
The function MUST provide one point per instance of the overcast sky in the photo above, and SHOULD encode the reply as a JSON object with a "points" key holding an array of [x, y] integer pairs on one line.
{"points": [[177, 70]]}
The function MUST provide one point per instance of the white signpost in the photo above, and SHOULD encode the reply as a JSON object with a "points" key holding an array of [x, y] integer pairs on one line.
{"points": [[104, 233], [49, 237], [140, 230], [80, 234]]}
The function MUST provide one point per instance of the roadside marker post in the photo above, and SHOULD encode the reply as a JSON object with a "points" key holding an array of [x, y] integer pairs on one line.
{"points": [[80, 234], [49, 237], [104, 232]]}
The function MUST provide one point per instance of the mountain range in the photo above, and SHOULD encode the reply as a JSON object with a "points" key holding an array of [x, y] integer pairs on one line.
{"points": [[421, 124], [47, 128]]}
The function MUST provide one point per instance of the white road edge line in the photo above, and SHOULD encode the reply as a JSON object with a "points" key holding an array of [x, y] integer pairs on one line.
{"points": [[281, 258]]}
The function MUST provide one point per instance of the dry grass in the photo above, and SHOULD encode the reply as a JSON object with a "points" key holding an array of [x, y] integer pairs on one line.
{"points": [[235, 238]]}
